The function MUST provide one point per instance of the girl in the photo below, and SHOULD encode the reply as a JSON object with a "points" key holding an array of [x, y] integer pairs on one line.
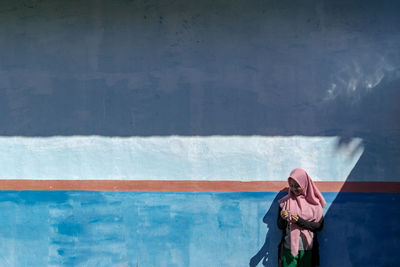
{"points": [[300, 218]]}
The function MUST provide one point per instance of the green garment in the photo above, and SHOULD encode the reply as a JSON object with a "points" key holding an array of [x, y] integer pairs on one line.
{"points": [[303, 259]]}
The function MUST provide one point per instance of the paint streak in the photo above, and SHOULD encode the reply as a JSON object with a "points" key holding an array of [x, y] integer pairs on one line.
{"points": [[189, 186]]}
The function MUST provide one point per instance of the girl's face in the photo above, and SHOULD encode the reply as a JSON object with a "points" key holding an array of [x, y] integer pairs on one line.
{"points": [[295, 187]]}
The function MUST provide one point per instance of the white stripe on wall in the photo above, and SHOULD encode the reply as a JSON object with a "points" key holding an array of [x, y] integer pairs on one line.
{"points": [[246, 158]]}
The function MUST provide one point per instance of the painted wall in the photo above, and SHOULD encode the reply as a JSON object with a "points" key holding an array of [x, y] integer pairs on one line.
{"points": [[196, 90], [183, 229]]}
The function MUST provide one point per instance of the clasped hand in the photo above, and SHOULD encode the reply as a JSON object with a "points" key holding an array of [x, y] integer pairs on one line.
{"points": [[289, 217]]}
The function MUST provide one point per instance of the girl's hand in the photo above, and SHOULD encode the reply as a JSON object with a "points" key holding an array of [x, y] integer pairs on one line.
{"points": [[295, 217], [285, 214]]}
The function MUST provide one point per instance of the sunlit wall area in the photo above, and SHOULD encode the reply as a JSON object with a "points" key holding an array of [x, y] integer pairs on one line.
{"points": [[213, 158]]}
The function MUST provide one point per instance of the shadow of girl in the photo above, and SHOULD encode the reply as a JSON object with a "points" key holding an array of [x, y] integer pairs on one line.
{"points": [[268, 253]]}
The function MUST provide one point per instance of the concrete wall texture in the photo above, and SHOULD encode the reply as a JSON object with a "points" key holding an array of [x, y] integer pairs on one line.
{"points": [[196, 91]]}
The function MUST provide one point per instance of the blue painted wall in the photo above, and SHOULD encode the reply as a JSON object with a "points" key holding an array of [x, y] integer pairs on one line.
{"points": [[184, 229], [161, 68]]}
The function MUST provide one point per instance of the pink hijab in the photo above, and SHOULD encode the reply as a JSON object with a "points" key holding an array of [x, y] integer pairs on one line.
{"points": [[309, 206]]}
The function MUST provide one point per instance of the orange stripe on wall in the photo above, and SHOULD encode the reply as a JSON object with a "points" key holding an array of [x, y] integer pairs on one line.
{"points": [[189, 186]]}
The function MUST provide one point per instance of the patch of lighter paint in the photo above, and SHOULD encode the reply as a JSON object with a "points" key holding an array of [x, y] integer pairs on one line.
{"points": [[34, 82], [355, 79]]}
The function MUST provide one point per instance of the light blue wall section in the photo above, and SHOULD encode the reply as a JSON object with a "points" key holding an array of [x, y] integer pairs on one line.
{"points": [[184, 229], [246, 158]]}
